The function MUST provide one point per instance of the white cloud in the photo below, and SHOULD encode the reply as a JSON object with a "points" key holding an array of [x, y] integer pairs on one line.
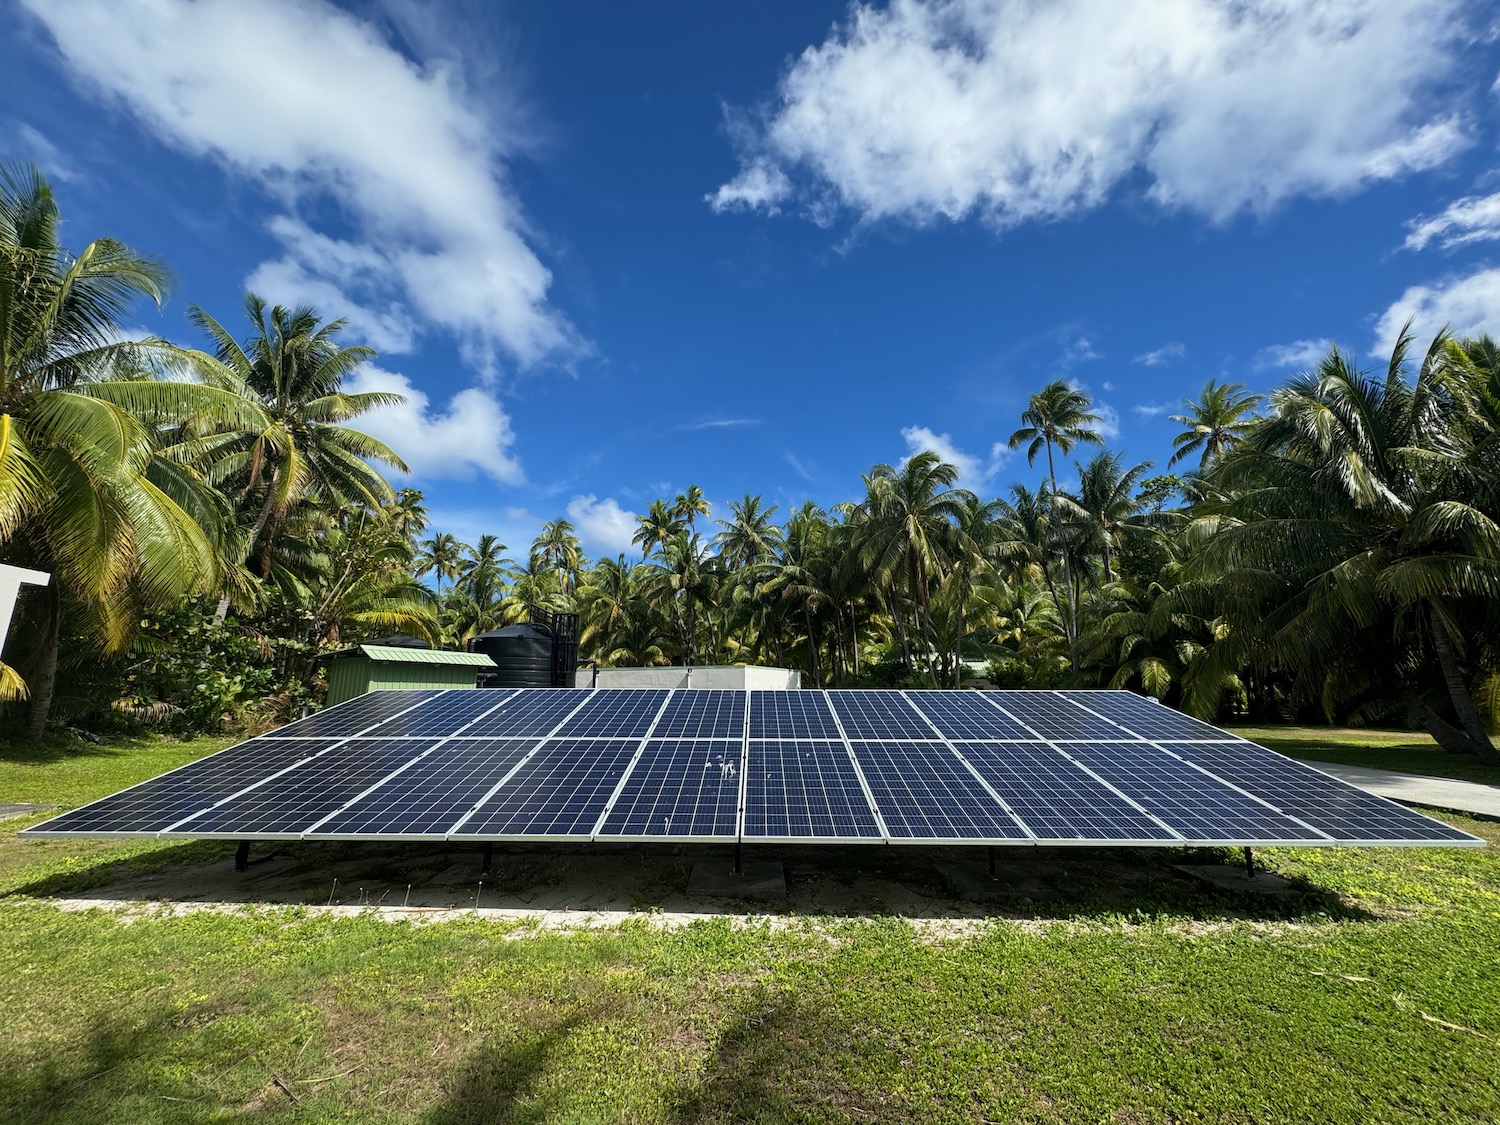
{"points": [[1109, 420], [798, 466], [973, 472], [472, 436], [602, 524], [314, 104], [1299, 354], [928, 109], [1466, 306], [718, 424], [1475, 218], [1167, 353], [1152, 409]]}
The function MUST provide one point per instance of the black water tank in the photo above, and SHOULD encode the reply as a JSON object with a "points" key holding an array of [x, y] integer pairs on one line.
{"points": [[522, 655]]}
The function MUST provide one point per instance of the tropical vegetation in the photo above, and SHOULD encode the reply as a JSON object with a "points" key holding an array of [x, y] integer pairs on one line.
{"points": [[1328, 551]]}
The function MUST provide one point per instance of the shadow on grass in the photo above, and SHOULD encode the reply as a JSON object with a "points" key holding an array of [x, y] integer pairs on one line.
{"points": [[839, 881]]}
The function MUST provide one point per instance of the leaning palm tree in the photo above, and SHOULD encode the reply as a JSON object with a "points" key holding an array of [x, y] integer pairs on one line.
{"points": [[659, 524], [1222, 415], [85, 490], [1058, 416], [293, 368]]}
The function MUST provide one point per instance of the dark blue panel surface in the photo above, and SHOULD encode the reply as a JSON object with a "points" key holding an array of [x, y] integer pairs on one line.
{"points": [[1056, 799], [924, 792], [1326, 803], [297, 799], [1054, 717], [530, 713], [703, 714], [162, 801], [434, 794], [680, 789], [791, 714], [353, 715], [879, 715], [560, 791], [440, 717], [1195, 804], [968, 715], [615, 713], [805, 789], [1146, 717]]}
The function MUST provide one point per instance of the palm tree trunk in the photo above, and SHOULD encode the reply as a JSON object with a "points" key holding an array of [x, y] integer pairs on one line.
{"points": [[1444, 733], [958, 639], [44, 682], [812, 649], [1458, 691], [1070, 626], [895, 606]]}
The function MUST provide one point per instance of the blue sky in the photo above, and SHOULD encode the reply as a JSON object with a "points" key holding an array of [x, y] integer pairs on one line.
{"points": [[610, 251]]}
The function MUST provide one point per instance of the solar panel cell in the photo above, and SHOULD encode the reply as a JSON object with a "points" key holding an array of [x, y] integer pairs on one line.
{"points": [[532, 713], [680, 789], [1054, 717], [432, 795], [559, 792], [924, 792], [879, 715], [354, 715], [439, 717], [1146, 717], [805, 790]]}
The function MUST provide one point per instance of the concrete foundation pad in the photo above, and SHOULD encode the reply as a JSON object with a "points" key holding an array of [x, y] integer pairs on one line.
{"points": [[973, 881], [8, 811], [764, 882], [1232, 877]]}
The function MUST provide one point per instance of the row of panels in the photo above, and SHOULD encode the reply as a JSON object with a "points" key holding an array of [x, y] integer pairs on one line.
{"points": [[419, 765]]}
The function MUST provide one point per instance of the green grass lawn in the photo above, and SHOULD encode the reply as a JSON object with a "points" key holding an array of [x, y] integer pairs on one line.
{"points": [[1403, 751], [1131, 995]]}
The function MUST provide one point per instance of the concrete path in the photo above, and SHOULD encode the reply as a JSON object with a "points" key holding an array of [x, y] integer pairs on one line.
{"points": [[8, 811], [1410, 789]]}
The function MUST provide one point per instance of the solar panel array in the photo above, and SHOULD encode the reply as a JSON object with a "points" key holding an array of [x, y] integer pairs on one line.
{"points": [[935, 767]]}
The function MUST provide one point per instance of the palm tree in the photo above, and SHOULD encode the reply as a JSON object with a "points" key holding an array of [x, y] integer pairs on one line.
{"points": [[690, 505], [407, 513], [293, 368], [1058, 416], [557, 548], [749, 536], [86, 492], [483, 571], [1349, 532], [1221, 416], [441, 556], [658, 525], [1107, 507]]}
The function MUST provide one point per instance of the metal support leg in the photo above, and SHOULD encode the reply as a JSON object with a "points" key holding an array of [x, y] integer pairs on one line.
{"points": [[993, 874], [1249, 864], [242, 856], [738, 870], [489, 859]]}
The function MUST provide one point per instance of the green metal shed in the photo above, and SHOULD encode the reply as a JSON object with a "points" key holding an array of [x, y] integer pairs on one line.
{"points": [[365, 668]]}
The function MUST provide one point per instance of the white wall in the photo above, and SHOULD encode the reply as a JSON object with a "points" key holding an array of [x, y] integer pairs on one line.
{"points": [[731, 678]]}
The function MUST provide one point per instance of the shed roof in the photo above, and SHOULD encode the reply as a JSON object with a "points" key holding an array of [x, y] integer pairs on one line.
{"points": [[391, 654]]}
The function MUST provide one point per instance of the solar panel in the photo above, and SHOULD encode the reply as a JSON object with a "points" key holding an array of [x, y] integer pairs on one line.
{"points": [[148, 808], [925, 792], [1192, 803], [962, 715], [805, 790], [560, 791], [1054, 717], [1027, 767], [1056, 798], [791, 714], [431, 796], [615, 713], [680, 789], [703, 714], [291, 802], [1328, 804], [879, 715], [354, 715]]}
